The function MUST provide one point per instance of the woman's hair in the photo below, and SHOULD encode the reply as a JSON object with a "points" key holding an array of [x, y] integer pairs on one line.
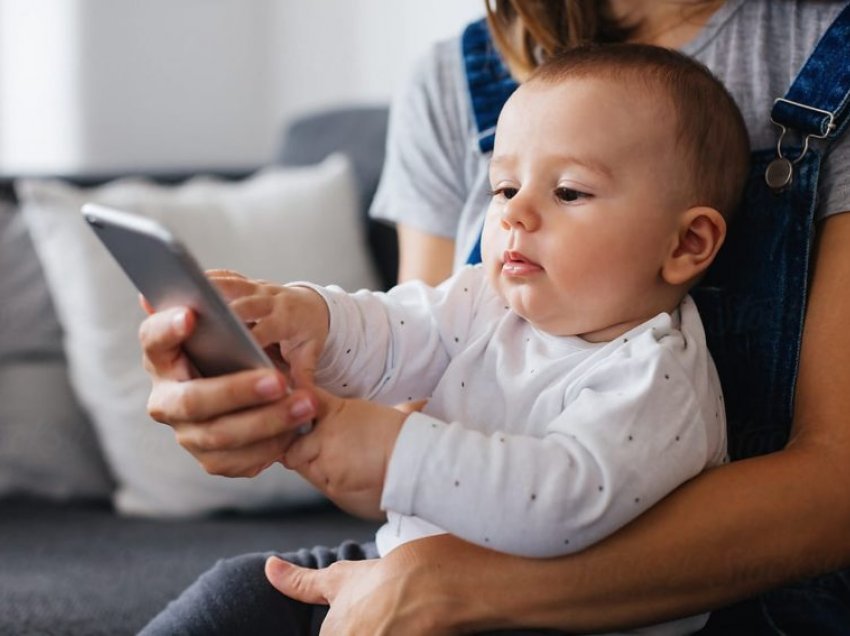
{"points": [[527, 31], [709, 129]]}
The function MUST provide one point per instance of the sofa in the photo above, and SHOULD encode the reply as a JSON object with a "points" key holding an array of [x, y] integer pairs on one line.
{"points": [[87, 545]]}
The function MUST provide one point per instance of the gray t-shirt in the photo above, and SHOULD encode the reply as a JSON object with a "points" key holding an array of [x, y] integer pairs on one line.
{"points": [[435, 178]]}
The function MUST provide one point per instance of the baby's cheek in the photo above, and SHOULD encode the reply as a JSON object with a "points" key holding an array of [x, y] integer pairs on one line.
{"points": [[492, 236], [495, 280]]}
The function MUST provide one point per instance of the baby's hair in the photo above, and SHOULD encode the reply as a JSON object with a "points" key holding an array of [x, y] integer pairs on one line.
{"points": [[709, 127]]}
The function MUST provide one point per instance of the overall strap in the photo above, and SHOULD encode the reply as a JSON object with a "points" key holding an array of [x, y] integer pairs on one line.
{"points": [[488, 80], [490, 84], [752, 299], [817, 106]]}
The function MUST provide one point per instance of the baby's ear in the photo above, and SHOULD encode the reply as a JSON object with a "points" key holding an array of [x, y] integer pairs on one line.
{"points": [[700, 234]]}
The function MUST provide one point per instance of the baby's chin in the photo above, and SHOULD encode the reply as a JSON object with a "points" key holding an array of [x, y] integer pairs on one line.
{"points": [[541, 320], [558, 324]]}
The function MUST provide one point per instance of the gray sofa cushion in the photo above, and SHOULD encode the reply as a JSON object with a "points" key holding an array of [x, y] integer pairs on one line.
{"points": [[47, 445], [82, 570], [28, 324], [360, 133]]}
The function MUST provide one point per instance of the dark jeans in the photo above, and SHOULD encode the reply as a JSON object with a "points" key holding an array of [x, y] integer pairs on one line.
{"points": [[818, 607]]}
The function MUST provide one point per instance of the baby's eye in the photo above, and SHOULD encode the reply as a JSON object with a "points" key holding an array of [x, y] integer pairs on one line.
{"points": [[569, 194], [506, 192]]}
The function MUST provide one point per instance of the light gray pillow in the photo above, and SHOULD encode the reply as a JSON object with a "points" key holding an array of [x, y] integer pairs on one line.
{"points": [[281, 224], [47, 445]]}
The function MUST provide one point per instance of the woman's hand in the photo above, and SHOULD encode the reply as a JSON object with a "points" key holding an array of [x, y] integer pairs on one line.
{"points": [[347, 453], [234, 425], [405, 592]]}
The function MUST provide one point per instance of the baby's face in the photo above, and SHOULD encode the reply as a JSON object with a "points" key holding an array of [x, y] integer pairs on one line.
{"points": [[584, 211]]}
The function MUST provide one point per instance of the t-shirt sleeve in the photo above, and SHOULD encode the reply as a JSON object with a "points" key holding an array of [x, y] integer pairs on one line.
{"points": [[422, 183], [834, 188], [635, 430]]}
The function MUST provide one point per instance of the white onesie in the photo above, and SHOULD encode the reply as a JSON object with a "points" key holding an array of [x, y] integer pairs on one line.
{"points": [[531, 444]]}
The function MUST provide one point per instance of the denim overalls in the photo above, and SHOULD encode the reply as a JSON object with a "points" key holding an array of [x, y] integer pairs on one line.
{"points": [[753, 299]]}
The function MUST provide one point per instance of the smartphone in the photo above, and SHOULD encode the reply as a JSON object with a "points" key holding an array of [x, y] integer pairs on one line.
{"points": [[163, 270]]}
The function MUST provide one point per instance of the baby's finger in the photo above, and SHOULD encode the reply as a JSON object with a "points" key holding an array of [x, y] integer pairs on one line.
{"points": [[327, 403], [223, 273], [303, 450], [161, 335], [252, 309], [233, 287]]}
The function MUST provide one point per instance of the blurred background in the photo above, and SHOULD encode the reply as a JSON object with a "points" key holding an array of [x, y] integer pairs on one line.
{"points": [[122, 85]]}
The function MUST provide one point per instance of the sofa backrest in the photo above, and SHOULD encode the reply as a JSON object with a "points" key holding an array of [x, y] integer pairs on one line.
{"points": [[359, 132]]}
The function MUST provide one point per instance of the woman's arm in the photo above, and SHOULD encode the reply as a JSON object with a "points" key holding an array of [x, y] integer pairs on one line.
{"points": [[725, 535], [423, 256]]}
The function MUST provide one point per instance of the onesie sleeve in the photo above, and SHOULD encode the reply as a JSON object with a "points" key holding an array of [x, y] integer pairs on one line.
{"points": [[634, 430], [394, 347]]}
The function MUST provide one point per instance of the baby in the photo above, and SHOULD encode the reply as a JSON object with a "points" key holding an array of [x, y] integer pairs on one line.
{"points": [[567, 379], [568, 383]]}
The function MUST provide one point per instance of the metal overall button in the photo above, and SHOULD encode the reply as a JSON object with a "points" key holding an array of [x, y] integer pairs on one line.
{"points": [[780, 171]]}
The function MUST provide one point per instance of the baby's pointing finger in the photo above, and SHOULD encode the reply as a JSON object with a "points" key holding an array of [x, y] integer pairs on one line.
{"points": [[223, 273], [252, 308], [232, 287]]}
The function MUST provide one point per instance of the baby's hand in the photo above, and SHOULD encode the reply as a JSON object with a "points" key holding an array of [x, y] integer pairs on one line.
{"points": [[348, 451], [292, 319]]}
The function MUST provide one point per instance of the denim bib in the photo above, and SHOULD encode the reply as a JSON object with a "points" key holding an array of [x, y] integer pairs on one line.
{"points": [[753, 298]]}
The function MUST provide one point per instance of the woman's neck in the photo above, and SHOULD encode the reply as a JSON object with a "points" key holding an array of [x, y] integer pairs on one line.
{"points": [[668, 23]]}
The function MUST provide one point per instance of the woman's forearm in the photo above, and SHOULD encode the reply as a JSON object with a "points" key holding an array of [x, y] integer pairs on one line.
{"points": [[423, 256], [726, 535]]}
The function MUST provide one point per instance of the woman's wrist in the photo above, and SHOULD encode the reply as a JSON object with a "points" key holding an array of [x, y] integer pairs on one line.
{"points": [[460, 587]]}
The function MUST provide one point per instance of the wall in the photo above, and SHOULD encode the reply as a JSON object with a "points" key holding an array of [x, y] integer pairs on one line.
{"points": [[332, 51], [39, 119], [100, 85]]}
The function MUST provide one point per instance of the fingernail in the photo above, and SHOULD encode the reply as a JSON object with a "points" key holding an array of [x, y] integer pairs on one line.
{"points": [[179, 322], [269, 387], [302, 409], [275, 566]]}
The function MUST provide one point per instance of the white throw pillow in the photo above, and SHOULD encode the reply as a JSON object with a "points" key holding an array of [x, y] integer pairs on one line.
{"points": [[281, 224]]}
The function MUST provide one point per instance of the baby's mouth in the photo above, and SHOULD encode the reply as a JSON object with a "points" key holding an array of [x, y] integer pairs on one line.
{"points": [[515, 263]]}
